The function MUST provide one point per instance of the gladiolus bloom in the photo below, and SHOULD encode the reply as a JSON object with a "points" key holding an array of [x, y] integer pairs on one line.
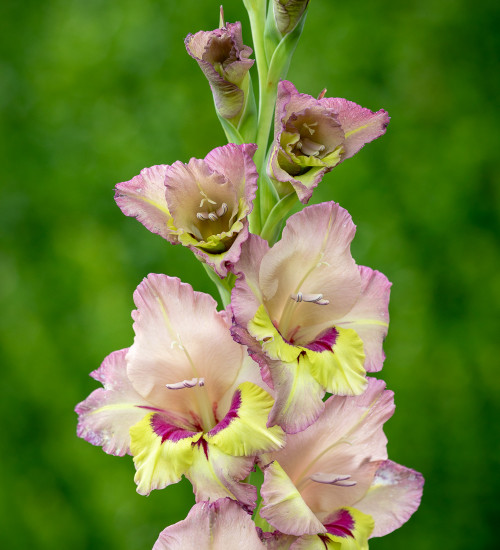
{"points": [[333, 483], [311, 317], [311, 136], [183, 400], [203, 204]]}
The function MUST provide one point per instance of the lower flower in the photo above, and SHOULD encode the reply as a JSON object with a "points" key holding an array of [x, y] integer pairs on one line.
{"points": [[332, 485]]}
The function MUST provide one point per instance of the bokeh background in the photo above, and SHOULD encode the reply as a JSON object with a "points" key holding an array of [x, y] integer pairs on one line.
{"points": [[92, 91]]}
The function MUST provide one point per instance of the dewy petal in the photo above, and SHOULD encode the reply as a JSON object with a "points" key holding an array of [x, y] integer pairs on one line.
{"points": [[346, 439], [392, 498], [370, 316], [162, 452], [219, 525], [243, 431], [106, 416], [313, 256], [283, 506], [360, 125], [180, 335], [143, 197], [214, 474]]}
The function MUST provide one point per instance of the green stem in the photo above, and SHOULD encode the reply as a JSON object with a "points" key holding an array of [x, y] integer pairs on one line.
{"points": [[257, 15], [272, 226], [224, 286]]}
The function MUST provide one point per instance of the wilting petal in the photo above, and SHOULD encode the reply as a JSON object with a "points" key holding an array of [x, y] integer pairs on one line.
{"points": [[214, 474], [243, 431], [106, 416], [393, 497], [162, 452], [143, 197], [360, 125], [180, 335], [370, 316], [283, 507], [219, 525]]}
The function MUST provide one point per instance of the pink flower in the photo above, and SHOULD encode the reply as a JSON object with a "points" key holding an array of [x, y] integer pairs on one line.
{"points": [[203, 204], [312, 136], [183, 400], [219, 525], [333, 483], [311, 317]]}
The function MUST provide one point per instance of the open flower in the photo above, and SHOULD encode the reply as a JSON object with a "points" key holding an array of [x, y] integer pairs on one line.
{"points": [[333, 482], [311, 317], [224, 60], [183, 400], [311, 136], [203, 204], [219, 525]]}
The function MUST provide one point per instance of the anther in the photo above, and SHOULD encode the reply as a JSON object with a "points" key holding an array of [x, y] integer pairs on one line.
{"points": [[340, 480], [186, 384], [202, 216], [222, 210], [311, 298], [213, 217]]}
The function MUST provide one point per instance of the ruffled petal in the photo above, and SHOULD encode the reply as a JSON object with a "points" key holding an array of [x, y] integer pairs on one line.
{"points": [[162, 452], [346, 440], [243, 431], [370, 316], [246, 296], [219, 525], [236, 164], [299, 397], [143, 197], [360, 125], [393, 497], [340, 370], [214, 474], [302, 262], [106, 416], [179, 335], [283, 506]]}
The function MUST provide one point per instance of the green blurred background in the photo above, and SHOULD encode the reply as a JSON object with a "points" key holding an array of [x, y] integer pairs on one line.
{"points": [[93, 91]]}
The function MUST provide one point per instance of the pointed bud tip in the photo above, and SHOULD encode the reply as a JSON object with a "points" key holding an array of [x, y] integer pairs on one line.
{"points": [[322, 94]]}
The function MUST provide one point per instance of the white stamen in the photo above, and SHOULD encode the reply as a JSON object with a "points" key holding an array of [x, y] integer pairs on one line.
{"points": [[213, 217], [202, 216], [340, 480], [311, 298], [309, 127], [222, 210], [186, 384]]}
